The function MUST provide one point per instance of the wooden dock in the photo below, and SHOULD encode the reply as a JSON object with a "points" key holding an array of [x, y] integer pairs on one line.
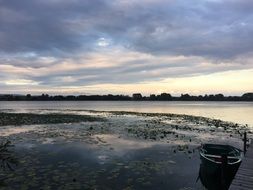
{"points": [[244, 177]]}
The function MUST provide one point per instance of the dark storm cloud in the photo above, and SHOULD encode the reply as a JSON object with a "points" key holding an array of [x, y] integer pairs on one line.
{"points": [[219, 29], [212, 29], [45, 26]]}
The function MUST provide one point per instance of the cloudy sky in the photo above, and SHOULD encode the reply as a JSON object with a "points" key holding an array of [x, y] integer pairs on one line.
{"points": [[126, 46]]}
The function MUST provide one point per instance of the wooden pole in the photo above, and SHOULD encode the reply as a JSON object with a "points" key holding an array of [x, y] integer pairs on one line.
{"points": [[245, 142]]}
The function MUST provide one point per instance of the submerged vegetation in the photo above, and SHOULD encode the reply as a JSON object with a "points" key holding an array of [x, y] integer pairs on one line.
{"points": [[7, 160], [52, 118]]}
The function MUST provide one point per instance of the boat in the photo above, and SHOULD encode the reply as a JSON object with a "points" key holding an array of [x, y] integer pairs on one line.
{"points": [[219, 164]]}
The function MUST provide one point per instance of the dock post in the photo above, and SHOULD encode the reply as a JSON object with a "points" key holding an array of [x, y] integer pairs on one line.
{"points": [[245, 142]]}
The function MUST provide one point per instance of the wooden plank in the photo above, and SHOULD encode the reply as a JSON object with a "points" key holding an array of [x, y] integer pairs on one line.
{"points": [[239, 188], [243, 183], [244, 177]]}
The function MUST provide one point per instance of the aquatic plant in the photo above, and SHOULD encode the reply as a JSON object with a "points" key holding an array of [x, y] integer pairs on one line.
{"points": [[52, 118], [7, 160]]}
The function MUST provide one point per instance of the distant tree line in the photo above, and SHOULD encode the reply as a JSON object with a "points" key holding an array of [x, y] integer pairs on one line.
{"points": [[134, 97]]}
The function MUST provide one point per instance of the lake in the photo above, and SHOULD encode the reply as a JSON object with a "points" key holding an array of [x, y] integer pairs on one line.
{"points": [[239, 112], [115, 150]]}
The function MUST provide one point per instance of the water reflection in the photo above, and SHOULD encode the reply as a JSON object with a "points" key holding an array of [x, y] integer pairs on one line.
{"points": [[12, 130], [78, 166], [121, 145]]}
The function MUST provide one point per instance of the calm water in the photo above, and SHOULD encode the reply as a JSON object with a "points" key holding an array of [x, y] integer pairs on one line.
{"points": [[79, 157], [76, 166], [240, 112]]}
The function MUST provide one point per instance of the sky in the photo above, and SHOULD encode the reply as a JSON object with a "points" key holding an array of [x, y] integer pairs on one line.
{"points": [[126, 46]]}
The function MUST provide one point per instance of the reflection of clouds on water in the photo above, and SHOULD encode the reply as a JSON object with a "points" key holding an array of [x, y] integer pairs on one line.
{"points": [[121, 144], [13, 130], [114, 145], [103, 158], [48, 141], [26, 145]]}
